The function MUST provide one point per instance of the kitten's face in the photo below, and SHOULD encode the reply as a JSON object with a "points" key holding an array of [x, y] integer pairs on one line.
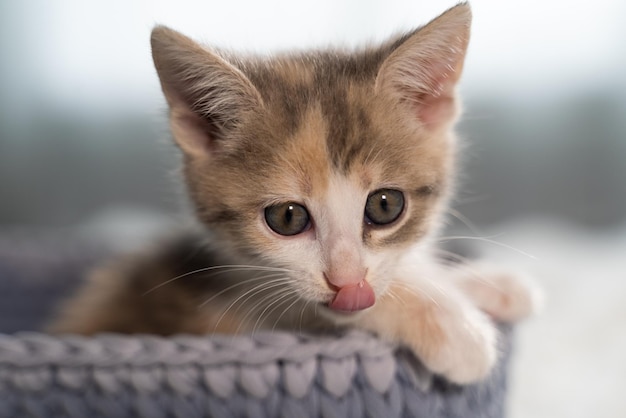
{"points": [[331, 165]]}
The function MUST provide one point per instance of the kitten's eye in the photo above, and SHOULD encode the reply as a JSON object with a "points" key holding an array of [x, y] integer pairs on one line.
{"points": [[287, 218], [384, 206]]}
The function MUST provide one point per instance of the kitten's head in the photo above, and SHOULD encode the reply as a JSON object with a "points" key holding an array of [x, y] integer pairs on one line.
{"points": [[329, 163]]}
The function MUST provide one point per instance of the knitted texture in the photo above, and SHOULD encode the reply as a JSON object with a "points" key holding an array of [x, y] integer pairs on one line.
{"points": [[266, 375]]}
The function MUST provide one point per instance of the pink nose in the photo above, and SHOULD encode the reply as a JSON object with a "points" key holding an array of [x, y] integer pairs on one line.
{"points": [[353, 297], [345, 276]]}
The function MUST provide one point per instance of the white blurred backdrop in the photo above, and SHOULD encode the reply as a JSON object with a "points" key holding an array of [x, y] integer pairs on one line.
{"points": [[83, 138]]}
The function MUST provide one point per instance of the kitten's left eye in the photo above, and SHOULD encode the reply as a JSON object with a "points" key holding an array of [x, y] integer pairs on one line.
{"points": [[287, 218], [384, 206]]}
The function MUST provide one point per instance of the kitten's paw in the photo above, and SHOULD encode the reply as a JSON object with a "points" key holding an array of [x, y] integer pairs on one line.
{"points": [[505, 296], [467, 353]]}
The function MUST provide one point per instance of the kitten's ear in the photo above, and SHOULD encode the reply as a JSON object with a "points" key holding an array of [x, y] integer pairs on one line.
{"points": [[207, 95], [424, 69]]}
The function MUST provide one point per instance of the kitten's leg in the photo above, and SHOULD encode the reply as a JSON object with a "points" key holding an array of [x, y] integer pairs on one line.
{"points": [[505, 296], [449, 335], [153, 291], [117, 298]]}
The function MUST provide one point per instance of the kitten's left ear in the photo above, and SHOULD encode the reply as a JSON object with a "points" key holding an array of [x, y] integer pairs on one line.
{"points": [[207, 95], [425, 68]]}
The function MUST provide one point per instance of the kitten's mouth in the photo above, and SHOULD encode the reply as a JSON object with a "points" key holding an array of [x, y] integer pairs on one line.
{"points": [[353, 298]]}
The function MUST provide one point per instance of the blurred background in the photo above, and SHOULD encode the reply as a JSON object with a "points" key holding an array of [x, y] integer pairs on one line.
{"points": [[84, 144]]}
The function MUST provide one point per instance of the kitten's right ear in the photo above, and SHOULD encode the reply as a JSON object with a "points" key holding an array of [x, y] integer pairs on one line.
{"points": [[207, 95], [424, 69]]}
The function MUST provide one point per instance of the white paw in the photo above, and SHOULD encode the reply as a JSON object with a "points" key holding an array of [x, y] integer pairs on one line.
{"points": [[469, 354], [507, 297]]}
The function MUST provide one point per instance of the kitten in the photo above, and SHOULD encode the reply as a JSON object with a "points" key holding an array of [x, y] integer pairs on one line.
{"points": [[320, 180]]}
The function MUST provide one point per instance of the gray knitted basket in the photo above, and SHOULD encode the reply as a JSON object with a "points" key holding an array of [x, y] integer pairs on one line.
{"points": [[265, 375]]}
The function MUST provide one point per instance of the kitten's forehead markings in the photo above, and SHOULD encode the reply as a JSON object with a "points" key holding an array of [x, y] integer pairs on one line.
{"points": [[350, 135], [307, 157]]}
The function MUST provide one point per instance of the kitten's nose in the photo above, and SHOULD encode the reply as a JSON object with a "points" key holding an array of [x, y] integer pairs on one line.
{"points": [[342, 277], [346, 275], [354, 293]]}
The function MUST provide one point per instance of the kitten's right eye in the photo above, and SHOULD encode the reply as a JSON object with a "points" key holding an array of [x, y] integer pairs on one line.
{"points": [[287, 218], [384, 206]]}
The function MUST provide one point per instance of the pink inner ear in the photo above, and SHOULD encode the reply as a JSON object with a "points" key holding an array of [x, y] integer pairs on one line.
{"points": [[437, 105], [435, 110], [192, 133]]}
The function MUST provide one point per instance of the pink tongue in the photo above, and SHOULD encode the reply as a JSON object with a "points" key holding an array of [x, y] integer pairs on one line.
{"points": [[353, 297]]}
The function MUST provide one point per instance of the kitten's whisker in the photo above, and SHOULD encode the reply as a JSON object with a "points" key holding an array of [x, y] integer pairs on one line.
{"points": [[306, 304], [367, 158], [278, 297], [404, 287], [213, 274], [480, 277], [465, 220], [490, 241], [465, 265], [422, 291], [249, 293], [234, 267], [395, 297], [454, 256], [260, 304], [280, 301], [475, 275], [296, 300], [242, 283], [367, 161], [274, 296]]}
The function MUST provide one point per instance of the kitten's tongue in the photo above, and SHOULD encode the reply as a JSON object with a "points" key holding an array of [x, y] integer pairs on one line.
{"points": [[353, 297]]}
